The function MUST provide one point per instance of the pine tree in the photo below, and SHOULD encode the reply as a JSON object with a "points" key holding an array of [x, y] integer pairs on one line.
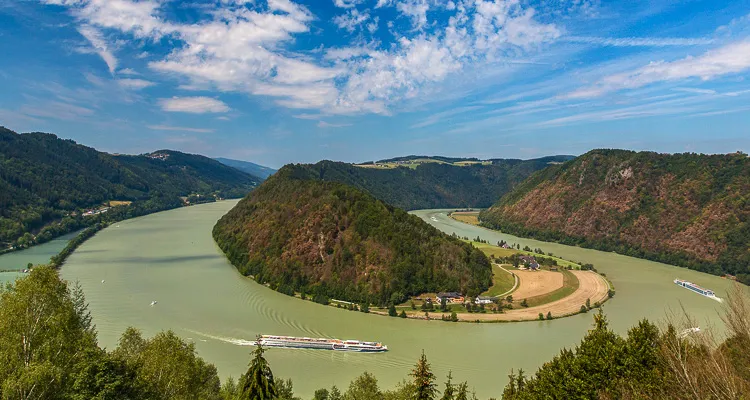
{"points": [[449, 392], [392, 311], [258, 382], [424, 380], [463, 391]]}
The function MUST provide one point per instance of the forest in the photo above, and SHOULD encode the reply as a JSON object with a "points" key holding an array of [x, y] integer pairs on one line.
{"points": [[49, 351], [329, 240], [433, 185], [46, 183], [690, 210]]}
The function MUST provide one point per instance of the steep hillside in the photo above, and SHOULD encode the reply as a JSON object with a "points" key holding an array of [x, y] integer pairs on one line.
{"points": [[248, 167], [434, 185], [46, 183], [686, 209], [331, 240]]}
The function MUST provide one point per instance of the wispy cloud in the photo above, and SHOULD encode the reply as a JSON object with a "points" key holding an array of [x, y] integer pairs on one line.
{"points": [[324, 124], [180, 129], [639, 42], [731, 58], [435, 118], [135, 84], [193, 105], [95, 37]]}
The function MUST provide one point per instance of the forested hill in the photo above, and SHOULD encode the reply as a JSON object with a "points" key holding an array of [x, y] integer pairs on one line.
{"points": [[331, 240], [46, 183], [434, 185], [246, 166], [685, 209]]}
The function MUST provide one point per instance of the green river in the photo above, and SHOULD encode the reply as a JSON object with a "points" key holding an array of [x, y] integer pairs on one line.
{"points": [[40, 254], [170, 257]]}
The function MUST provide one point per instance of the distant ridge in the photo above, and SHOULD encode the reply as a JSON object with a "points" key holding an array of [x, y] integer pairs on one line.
{"points": [[248, 167], [434, 184], [47, 184]]}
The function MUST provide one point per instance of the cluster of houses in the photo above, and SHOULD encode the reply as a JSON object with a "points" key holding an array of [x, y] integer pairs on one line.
{"points": [[95, 211], [529, 262], [158, 156], [458, 298]]}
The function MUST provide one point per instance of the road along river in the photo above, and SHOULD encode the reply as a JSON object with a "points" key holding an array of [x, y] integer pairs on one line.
{"points": [[170, 257]]}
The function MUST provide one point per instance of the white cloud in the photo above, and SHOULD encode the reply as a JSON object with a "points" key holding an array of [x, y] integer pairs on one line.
{"points": [[324, 124], [135, 84], [347, 3], [179, 129], [731, 58], [416, 10], [639, 42], [352, 20], [244, 47], [127, 71], [194, 105], [100, 46]]}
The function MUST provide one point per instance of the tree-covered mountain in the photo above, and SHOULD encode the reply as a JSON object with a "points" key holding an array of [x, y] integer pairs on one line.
{"points": [[691, 210], [331, 240], [248, 167], [434, 185], [46, 183]]}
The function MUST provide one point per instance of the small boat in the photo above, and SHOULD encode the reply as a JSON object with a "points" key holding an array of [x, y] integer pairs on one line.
{"points": [[153, 303], [102, 280], [291, 342], [689, 331]]}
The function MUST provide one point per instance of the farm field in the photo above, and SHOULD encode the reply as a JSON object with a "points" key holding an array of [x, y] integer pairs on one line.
{"points": [[471, 217]]}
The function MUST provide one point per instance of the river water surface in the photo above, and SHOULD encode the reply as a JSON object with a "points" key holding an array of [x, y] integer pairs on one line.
{"points": [[39, 254], [171, 257]]}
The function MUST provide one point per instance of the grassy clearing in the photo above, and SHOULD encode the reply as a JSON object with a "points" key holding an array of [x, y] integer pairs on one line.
{"points": [[570, 285], [115, 203], [419, 161], [502, 281], [466, 217], [499, 252]]}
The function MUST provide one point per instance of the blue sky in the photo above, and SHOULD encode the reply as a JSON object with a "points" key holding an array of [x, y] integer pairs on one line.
{"points": [[279, 81]]}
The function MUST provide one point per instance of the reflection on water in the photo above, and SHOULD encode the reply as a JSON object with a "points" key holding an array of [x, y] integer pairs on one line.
{"points": [[170, 257]]}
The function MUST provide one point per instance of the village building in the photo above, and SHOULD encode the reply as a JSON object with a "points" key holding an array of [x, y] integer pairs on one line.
{"points": [[450, 297], [483, 300]]}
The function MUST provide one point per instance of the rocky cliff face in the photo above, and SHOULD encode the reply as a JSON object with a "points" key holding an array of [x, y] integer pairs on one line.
{"points": [[687, 209]]}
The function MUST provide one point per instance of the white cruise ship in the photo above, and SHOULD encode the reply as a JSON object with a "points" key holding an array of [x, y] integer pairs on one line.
{"points": [[292, 342]]}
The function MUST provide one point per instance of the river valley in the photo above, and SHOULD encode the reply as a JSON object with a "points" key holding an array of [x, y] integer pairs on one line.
{"points": [[170, 257]]}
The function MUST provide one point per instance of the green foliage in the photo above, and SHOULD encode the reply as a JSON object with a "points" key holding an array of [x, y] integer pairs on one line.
{"points": [[450, 389], [603, 364], [167, 366], [336, 242], [48, 350], [46, 183], [258, 382], [392, 311], [423, 380], [691, 210], [43, 340], [402, 314], [365, 387]]}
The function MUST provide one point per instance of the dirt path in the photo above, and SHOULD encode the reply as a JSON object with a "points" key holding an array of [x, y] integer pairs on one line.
{"points": [[592, 286], [537, 283]]}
